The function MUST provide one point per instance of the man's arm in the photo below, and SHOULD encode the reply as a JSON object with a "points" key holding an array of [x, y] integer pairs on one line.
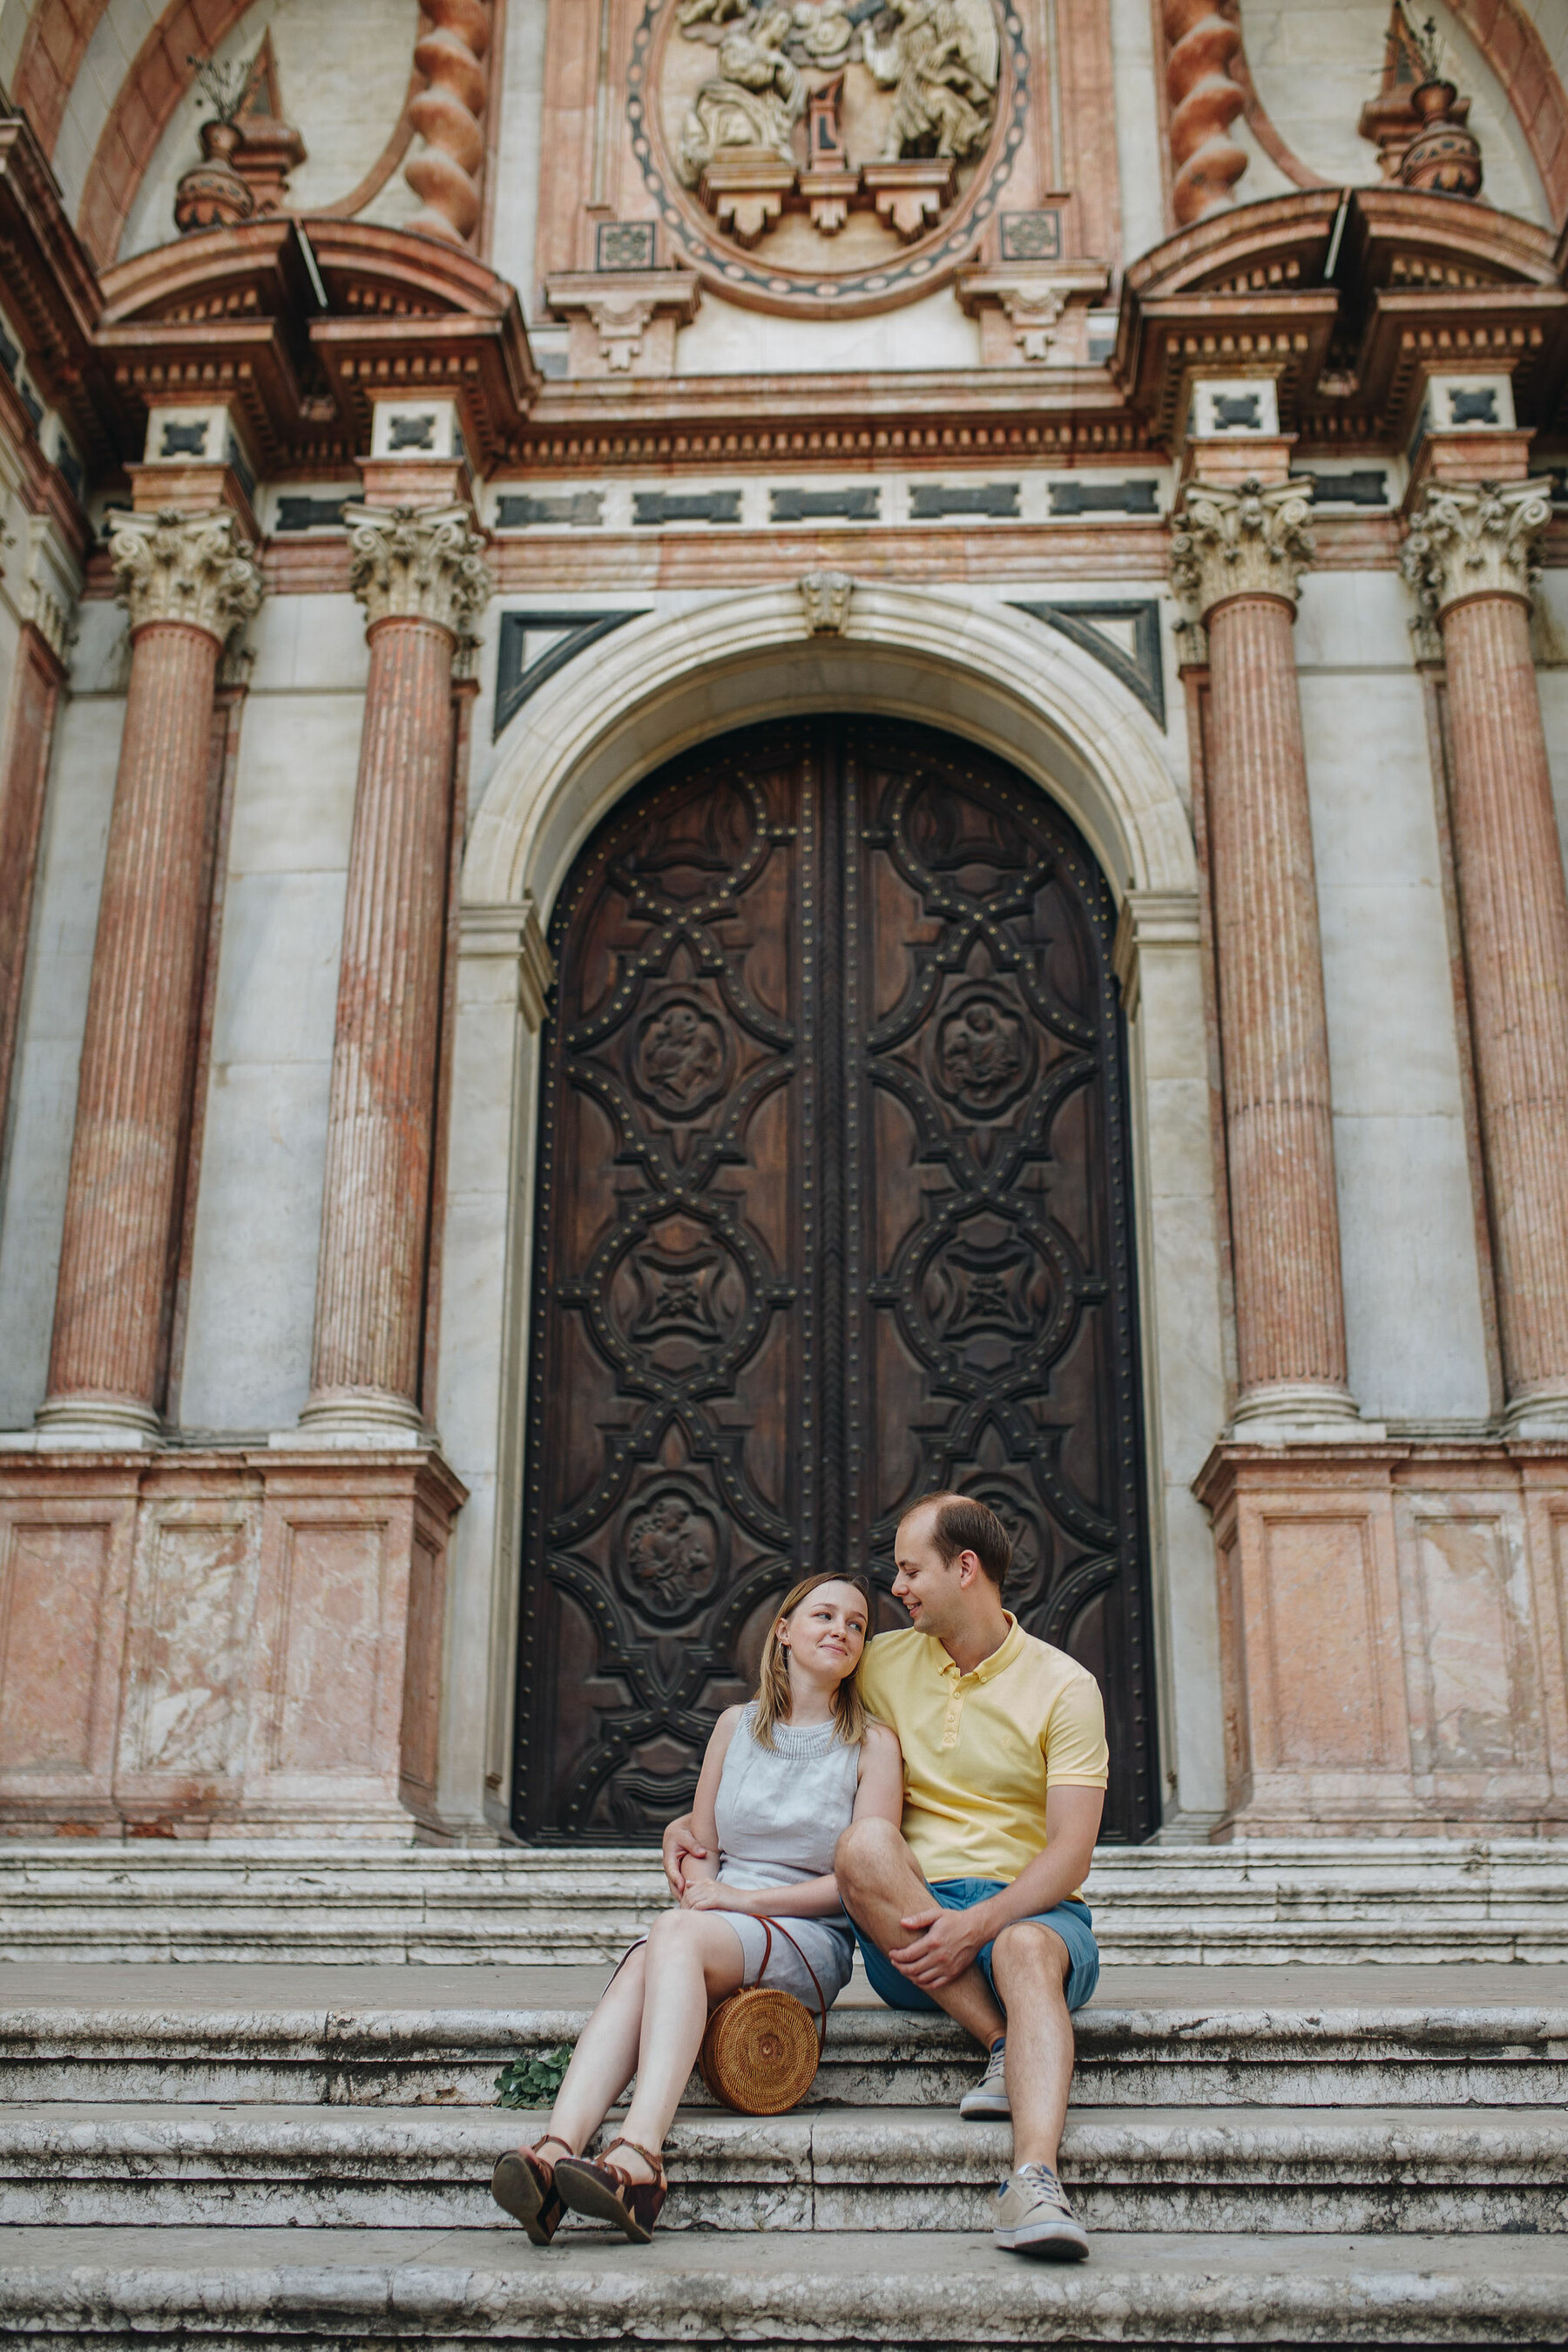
{"points": [[681, 1845], [943, 1944]]}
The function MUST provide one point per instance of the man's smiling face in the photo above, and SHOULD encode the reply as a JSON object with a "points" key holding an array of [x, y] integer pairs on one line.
{"points": [[931, 1587]]}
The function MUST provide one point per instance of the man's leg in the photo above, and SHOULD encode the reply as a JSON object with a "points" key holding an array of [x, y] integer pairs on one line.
{"points": [[881, 1886], [1030, 1964]]}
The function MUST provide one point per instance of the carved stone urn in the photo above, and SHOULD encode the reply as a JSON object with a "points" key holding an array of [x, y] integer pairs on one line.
{"points": [[212, 195], [1445, 156]]}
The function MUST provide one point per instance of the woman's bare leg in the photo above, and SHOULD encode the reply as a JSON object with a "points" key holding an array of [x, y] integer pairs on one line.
{"points": [[604, 2060], [694, 1958]]}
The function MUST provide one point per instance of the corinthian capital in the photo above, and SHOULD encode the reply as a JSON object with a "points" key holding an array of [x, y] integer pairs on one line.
{"points": [[1480, 540], [423, 564], [192, 568], [1251, 541]]}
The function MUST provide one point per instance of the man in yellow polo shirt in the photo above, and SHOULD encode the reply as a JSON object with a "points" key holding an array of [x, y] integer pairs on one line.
{"points": [[977, 1906]]}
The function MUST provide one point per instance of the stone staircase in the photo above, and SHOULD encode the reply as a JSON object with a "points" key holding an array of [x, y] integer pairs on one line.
{"points": [[228, 2155]]}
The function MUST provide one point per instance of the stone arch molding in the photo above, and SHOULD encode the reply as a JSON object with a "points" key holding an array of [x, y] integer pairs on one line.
{"points": [[668, 682]]}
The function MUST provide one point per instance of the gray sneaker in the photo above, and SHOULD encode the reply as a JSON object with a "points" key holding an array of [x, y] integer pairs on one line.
{"points": [[1033, 2217], [989, 2096]]}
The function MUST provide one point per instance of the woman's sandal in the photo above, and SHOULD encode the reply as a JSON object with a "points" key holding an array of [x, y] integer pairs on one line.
{"points": [[523, 2185], [606, 2193]]}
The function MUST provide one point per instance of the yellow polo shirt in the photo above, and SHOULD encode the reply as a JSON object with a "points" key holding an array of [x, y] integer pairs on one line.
{"points": [[981, 1750]]}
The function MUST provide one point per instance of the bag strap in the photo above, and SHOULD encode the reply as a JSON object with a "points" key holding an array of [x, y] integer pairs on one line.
{"points": [[821, 1997]]}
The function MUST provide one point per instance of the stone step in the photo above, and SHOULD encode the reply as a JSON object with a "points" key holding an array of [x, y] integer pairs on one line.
{"points": [[133, 2288], [1430, 2041], [1187, 2169], [1271, 1901]]}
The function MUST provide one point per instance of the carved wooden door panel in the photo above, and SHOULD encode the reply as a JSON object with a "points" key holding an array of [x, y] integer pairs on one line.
{"points": [[832, 1208]]}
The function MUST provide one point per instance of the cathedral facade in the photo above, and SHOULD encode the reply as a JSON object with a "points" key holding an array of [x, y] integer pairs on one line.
{"points": [[757, 757]]}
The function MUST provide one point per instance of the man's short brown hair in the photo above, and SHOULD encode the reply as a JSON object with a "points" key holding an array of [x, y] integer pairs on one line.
{"points": [[961, 1524]]}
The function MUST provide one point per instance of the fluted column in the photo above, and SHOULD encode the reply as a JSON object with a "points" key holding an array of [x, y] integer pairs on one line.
{"points": [[188, 581], [418, 573], [1236, 558], [1469, 558]]}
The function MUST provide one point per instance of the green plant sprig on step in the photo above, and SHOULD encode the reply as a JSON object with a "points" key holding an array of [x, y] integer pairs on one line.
{"points": [[533, 2081]]}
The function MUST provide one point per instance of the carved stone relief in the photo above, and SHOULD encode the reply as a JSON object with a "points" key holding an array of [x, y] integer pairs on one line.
{"points": [[826, 137]]}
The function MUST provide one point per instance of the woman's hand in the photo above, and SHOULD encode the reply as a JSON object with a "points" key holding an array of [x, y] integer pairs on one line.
{"points": [[707, 1895]]}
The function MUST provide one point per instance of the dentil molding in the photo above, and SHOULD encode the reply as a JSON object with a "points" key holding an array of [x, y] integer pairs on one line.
{"points": [[1476, 540], [422, 563], [192, 568], [1249, 540]]}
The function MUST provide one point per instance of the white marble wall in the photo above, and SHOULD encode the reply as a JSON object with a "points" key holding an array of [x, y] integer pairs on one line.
{"points": [[54, 1009], [515, 221], [1138, 136], [253, 1275], [1406, 1211]]}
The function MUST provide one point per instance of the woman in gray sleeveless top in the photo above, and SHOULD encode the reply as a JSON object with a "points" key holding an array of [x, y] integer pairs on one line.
{"points": [[781, 1781]]}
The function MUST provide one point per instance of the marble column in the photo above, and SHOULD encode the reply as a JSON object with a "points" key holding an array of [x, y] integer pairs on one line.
{"points": [[1469, 557], [188, 581], [1237, 552], [418, 572]]}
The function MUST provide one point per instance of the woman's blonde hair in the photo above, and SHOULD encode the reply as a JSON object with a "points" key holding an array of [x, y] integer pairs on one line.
{"points": [[849, 1716]]}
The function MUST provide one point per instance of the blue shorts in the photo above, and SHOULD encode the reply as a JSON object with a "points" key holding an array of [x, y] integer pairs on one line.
{"points": [[1070, 1921]]}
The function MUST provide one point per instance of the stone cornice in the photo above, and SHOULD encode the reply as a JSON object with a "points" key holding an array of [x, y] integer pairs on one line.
{"points": [[1250, 540], [420, 563], [195, 569], [1476, 540]]}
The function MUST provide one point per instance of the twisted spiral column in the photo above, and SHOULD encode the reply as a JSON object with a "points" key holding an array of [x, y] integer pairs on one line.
{"points": [[1205, 103], [419, 575], [188, 582], [1469, 557], [1237, 557], [449, 117]]}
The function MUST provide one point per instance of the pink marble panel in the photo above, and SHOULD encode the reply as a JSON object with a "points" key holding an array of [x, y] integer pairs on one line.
{"points": [[52, 1594], [191, 1606], [1319, 1601], [1472, 1680], [329, 1653], [422, 1673]]}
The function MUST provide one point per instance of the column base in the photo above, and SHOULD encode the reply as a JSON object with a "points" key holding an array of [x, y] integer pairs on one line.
{"points": [[356, 1417], [225, 1643], [1540, 1413], [1392, 1652], [96, 1424], [1288, 1412]]}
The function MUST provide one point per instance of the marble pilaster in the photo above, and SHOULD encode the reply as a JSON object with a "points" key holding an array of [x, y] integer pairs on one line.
{"points": [[188, 581], [1469, 558], [419, 575], [1237, 552]]}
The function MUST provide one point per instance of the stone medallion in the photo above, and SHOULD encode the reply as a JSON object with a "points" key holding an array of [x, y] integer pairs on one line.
{"points": [[826, 156]]}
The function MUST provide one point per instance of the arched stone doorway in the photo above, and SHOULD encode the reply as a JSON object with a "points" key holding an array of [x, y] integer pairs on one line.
{"points": [[833, 1205]]}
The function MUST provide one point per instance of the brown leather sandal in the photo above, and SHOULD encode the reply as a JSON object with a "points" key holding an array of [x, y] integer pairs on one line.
{"points": [[523, 2185], [604, 2192]]}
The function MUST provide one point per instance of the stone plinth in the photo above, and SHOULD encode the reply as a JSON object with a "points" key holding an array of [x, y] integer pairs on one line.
{"points": [[419, 575], [1392, 1646], [188, 582], [240, 1642]]}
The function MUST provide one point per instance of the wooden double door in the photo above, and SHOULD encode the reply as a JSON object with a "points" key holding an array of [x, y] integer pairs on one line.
{"points": [[833, 1208]]}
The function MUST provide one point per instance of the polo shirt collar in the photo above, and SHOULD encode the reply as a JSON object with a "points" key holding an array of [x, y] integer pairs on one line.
{"points": [[996, 1663]]}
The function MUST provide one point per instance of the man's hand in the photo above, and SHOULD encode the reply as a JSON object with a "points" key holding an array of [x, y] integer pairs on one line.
{"points": [[681, 1847], [942, 1945]]}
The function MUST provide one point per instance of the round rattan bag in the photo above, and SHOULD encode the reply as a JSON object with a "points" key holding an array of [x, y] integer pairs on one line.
{"points": [[761, 2049]]}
